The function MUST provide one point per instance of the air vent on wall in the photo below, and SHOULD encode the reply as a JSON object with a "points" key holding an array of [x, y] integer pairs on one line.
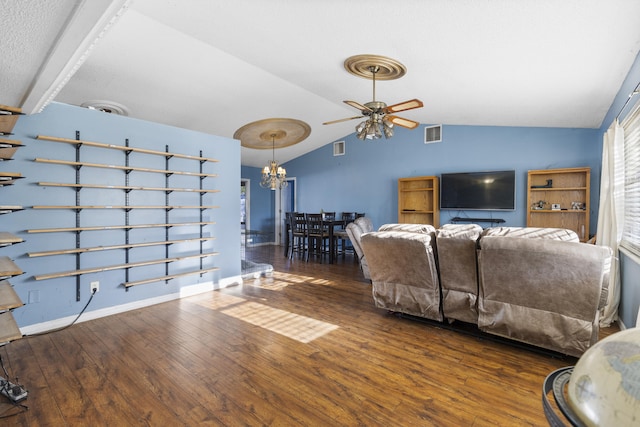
{"points": [[432, 134], [338, 148]]}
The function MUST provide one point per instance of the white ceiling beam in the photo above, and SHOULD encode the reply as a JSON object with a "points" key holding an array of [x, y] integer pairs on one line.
{"points": [[86, 26]]}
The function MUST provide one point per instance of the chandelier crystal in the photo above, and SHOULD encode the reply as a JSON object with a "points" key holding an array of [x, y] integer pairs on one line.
{"points": [[273, 176]]}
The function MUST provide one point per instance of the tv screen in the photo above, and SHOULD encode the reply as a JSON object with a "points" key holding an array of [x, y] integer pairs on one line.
{"points": [[494, 190]]}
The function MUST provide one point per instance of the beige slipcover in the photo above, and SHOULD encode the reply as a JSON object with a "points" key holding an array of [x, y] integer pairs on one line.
{"points": [[542, 292], [456, 246], [403, 272], [355, 230]]}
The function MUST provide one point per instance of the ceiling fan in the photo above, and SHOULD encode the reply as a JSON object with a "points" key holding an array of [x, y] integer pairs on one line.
{"points": [[378, 116]]}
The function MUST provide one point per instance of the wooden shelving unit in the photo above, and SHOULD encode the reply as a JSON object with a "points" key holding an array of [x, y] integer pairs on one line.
{"points": [[126, 225], [560, 198], [9, 299], [418, 200]]}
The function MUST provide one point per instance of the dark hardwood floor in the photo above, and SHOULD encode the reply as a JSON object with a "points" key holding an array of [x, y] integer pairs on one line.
{"points": [[304, 347]]}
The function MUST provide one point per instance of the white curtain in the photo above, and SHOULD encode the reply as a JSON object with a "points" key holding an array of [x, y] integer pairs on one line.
{"points": [[611, 213]]}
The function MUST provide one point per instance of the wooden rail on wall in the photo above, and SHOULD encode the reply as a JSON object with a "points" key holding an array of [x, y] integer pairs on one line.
{"points": [[123, 148], [123, 168], [118, 266], [126, 187], [171, 276], [112, 247]]}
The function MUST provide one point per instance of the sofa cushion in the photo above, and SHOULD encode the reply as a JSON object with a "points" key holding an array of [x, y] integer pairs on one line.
{"points": [[413, 228], [534, 233]]}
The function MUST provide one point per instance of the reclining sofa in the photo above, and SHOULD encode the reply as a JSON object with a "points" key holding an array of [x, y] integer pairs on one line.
{"points": [[539, 286]]}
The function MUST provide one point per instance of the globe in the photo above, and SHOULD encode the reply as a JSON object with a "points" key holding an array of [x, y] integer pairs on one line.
{"points": [[604, 387]]}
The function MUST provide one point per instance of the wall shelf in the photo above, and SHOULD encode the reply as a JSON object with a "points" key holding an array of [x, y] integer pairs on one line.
{"points": [[113, 247], [79, 185], [117, 227], [117, 266], [124, 168]]}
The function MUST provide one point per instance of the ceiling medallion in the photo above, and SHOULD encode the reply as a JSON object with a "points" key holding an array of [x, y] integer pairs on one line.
{"points": [[387, 68], [272, 133]]}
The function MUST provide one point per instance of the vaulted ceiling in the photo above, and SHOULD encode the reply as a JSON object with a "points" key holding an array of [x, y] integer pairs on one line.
{"points": [[216, 65]]}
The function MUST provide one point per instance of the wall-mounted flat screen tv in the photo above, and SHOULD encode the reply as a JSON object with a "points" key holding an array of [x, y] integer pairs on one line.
{"points": [[491, 191]]}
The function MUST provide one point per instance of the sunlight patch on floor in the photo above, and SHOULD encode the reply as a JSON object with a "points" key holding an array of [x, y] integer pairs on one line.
{"points": [[219, 300], [278, 281], [291, 325]]}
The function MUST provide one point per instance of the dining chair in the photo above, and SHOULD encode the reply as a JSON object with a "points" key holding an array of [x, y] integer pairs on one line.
{"points": [[298, 235], [340, 236], [317, 236], [288, 238]]}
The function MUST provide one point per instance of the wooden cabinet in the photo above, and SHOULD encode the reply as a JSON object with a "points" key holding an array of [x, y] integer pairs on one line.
{"points": [[560, 198], [418, 200]]}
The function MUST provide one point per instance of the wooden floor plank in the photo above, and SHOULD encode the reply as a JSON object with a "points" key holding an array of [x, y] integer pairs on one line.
{"points": [[240, 356]]}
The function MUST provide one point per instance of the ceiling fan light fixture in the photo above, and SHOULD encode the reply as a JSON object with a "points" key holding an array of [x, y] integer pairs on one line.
{"points": [[378, 120]]}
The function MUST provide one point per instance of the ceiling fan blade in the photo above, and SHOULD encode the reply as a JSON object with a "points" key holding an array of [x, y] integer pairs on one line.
{"points": [[359, 106], [404, 106], [405, 123], [341, 120]]}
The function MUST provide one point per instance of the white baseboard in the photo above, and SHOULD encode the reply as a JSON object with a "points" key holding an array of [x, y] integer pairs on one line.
{"points": [[184, 292]]}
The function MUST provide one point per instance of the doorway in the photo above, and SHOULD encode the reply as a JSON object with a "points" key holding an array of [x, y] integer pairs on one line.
{"points": [[285, 202]]}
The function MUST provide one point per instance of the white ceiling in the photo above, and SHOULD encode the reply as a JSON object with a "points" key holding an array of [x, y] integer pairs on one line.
{"points": [[216, 65]]}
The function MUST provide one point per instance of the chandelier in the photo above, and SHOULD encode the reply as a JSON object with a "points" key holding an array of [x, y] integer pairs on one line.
{"points": [[273, 176]]}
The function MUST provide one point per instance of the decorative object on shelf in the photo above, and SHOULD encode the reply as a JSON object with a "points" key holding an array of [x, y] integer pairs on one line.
{"points": [[378, 122], [539, 205], [273, 133], [549, 184], [555, 206], [274, 176]]}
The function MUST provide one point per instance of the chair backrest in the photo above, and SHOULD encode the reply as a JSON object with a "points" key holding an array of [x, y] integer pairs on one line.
{"points": [[315, 224], [348, 217], [329, 216], [298, 223]]}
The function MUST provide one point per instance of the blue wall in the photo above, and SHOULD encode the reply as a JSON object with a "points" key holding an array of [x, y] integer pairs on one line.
{"points": [[56, 298], [365, 178]]}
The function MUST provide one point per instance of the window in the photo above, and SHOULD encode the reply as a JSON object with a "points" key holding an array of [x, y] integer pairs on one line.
{"points": [[631, 228]]}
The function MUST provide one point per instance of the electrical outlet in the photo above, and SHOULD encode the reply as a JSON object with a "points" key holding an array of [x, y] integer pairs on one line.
{"points": [[95, 286]]}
